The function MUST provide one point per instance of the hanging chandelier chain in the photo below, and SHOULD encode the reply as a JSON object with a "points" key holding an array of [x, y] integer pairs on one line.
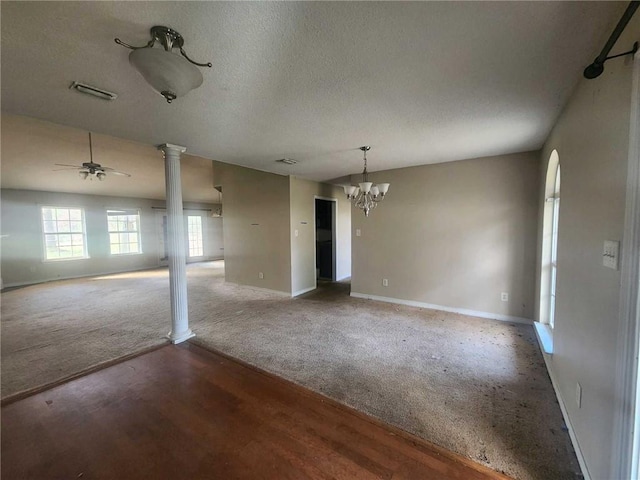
{"points": [[365, 174]]}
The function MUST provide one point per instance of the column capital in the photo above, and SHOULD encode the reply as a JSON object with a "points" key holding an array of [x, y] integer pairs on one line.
{"points": [[170, 146]]}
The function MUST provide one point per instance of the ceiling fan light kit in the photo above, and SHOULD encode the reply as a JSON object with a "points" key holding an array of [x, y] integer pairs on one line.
{"points": [[366, 195], [170, 74], [90, 170]]}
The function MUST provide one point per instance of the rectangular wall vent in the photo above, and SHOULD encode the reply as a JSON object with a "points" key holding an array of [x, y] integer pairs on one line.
{"points": [[95, 91]]}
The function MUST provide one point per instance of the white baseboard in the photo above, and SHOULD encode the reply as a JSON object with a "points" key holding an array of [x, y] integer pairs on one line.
{"points": [[304, 290], [463, 311], [565, 414]]}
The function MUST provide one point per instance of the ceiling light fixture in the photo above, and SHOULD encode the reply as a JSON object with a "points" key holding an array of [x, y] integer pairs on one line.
{"points": [[288, 161], [170, 74], [366, 195], [95, 91], [91, 169]]}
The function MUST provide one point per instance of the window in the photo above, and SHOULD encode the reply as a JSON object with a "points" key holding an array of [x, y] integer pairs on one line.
{"points": [[124, 231], [64, 233], [194, 230], [550, 248], [554, 246]]}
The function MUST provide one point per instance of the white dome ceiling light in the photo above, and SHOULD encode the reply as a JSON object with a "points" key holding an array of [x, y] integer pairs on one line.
{"points": [[170, 74]]}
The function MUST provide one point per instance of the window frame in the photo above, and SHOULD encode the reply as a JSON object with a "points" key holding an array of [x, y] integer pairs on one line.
{"points": [[43, 233], [124, 212]]}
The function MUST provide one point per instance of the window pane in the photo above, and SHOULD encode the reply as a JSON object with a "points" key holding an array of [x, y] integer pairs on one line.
{"points": [[49, 226], [194, 232], [51, 240], [48, 214], [64, 239], [62, 214], [75, 214], [64, 226], [76, 226], [78, 251]]}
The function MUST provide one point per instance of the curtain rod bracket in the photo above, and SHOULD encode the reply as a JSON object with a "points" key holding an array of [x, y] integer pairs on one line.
{"points": [[597, 67]]}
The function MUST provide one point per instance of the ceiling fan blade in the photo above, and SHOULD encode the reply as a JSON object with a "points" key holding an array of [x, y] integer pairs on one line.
{"points": [[115, 172], [67, 165], [65, 169]]}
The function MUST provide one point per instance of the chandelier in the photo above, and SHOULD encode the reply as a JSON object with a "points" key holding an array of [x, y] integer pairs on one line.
{"points": [[170, 74], [366, 195]]}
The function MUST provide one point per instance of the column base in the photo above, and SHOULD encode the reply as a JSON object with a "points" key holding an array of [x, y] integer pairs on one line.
{"points": [[180, 337]]}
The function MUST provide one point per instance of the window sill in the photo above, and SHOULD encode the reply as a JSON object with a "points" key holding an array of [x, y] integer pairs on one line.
{"points": [[73, 259], [545, 337]]}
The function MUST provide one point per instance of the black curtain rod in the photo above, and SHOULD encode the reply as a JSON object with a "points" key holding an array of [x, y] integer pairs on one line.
{"points": [[597, 67]]}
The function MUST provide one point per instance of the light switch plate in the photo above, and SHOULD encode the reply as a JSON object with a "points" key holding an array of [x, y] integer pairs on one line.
{"points": [[357, 232], [610, 254]]}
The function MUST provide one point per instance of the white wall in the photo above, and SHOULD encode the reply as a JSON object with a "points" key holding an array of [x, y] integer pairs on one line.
{"points": [[303, 260], [592, 140], [22, 255], [455, 235]]}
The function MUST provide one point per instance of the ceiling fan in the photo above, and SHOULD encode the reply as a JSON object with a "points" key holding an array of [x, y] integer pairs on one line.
{"points": [[91, 169]]}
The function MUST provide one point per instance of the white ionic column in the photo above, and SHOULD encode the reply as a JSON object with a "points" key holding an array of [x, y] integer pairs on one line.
{"points": [[176, 244]]}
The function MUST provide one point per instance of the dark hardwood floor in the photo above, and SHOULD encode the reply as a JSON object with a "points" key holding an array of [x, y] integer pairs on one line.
{"points": [[184, 412]]}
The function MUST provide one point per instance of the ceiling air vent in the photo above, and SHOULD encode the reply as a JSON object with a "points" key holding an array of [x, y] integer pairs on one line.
{"points": [[288, 161], [95, 91]]}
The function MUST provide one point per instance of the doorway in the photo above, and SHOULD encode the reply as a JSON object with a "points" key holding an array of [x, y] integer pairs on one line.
{"points": [[325, 217]]}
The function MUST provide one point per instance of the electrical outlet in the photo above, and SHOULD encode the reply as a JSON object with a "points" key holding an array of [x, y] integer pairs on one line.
{"points": [[260, 275], [579, 395], [296, 232], [385, 282], [504, 296]]}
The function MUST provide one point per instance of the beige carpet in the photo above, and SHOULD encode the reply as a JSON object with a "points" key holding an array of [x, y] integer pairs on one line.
{"points": [[475, 386]]}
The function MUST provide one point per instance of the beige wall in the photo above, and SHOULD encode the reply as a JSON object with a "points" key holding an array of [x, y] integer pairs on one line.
{"points": [[22, 260], [592, 140], [303, 261], [256, 227], [454, 235]]}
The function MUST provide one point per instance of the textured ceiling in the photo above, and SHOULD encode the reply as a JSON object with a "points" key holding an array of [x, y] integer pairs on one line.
{"points": [[419, 82]]}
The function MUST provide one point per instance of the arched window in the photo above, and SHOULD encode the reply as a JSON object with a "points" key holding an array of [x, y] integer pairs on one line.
{"points": [[555, 199], [549, 270]]}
